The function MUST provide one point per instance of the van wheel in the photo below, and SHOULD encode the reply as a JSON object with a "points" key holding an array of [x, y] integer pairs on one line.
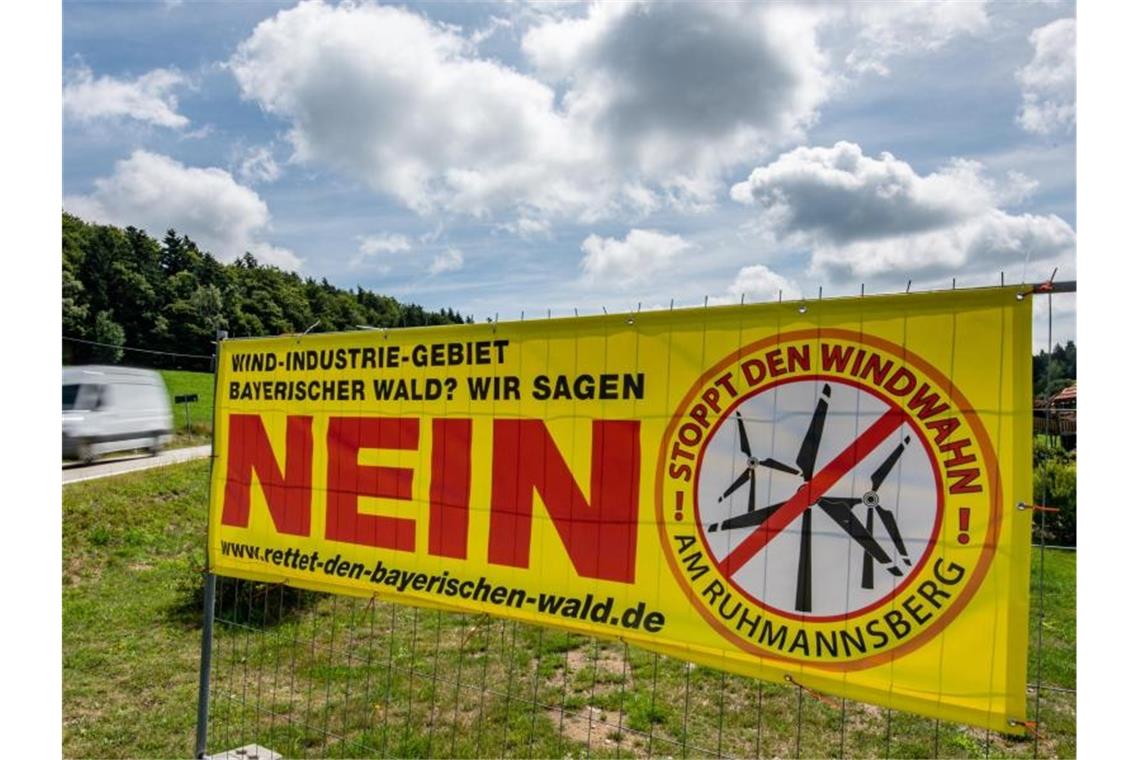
{"points": [[84, 453]]}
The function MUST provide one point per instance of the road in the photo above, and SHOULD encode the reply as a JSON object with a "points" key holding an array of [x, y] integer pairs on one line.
{"points": [[74, 472]]}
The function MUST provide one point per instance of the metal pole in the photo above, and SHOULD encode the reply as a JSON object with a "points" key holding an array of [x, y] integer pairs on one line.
{"points": [[211, 582], [204, 667]]}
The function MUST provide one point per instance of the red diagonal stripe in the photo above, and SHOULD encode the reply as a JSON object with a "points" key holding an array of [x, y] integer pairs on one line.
{"points": [[809, 492]]}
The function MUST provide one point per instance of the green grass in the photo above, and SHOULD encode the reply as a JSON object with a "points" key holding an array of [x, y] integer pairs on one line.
{"points": [[129, 665], [317, 675], [180, 383]]}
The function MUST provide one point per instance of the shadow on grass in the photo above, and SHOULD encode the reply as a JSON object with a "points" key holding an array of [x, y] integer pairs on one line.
{"points": [[252, 604]]}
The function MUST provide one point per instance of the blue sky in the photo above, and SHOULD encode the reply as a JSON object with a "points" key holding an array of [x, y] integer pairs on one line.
{"points": [[507, 158]]}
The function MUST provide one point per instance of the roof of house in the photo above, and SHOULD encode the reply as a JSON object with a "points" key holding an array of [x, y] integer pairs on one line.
{"points": [[1066, 394]]}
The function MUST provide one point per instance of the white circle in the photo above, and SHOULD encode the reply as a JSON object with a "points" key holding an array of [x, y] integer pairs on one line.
{"points": [[776, 421]]}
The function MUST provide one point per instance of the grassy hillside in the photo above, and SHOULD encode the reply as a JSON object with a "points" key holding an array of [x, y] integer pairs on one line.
{"points": [[180, 383]]}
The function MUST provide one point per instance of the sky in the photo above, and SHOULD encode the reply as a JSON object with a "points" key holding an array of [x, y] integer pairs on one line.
{"points": [[510, 159]]}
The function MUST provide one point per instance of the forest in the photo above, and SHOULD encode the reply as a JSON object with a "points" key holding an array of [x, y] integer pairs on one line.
{"points": [[122, 288], [1054, 370]]}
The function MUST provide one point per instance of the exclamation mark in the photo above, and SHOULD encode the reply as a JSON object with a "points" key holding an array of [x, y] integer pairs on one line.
{"points": [[964, 526]]}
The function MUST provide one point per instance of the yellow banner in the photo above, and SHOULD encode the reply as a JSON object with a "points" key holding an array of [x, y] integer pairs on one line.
{"points": [[824, 490]]}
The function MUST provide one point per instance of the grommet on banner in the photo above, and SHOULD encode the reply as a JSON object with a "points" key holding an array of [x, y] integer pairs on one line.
{"points": [[1022, 506], [811, 692], [1029, 725]]}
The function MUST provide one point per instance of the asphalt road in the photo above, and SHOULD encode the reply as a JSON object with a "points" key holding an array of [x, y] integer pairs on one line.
{"points": [[73, 472]]}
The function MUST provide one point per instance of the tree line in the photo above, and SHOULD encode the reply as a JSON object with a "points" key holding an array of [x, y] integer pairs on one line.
{"points": [[1054, 370], [122, 288]]}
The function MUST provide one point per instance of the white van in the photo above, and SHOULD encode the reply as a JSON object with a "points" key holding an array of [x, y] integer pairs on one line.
{"points": [[107, 409]]}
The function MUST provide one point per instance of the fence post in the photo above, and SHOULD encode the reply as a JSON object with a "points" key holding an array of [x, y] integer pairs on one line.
{"points": [[211, 582]]}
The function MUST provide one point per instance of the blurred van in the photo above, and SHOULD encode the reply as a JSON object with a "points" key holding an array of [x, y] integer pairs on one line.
{"points": [[108, 409]]}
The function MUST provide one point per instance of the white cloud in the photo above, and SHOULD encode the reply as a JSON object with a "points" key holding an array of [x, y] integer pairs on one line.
{"points": [[449, 260], [641, 254], [156, 193], [992, 242], [1048, 82], [627, 108], [385, 95], [681, 90], [408, 106], [759, 284], [373, 247], [148, 98], [877, 218], [373, 244], [496, 23], [258, 165], [885, 30], [527, 228]]}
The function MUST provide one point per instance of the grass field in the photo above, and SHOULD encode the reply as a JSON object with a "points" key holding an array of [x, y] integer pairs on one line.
{"points": [[181, 383], [407, 682]]}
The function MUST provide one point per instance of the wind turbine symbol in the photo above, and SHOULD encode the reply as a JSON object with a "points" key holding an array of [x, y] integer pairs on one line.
{"points": [[839, 508]]}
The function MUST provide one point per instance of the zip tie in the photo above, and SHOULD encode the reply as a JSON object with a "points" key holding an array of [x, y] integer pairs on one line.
{"points": [[1047, 286], [1021, 505], [371, 602], [1029, 725], [812, 693]]}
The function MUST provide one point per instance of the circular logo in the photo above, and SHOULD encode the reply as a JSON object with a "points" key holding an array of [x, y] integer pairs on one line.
{"points": [[826, 497]]}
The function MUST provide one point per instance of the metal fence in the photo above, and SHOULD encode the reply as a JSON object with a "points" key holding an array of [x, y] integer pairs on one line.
{"points": [[306, 674]]}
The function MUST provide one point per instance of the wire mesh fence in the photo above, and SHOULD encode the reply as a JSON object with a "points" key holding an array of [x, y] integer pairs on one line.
{"points": [[315, 675]]}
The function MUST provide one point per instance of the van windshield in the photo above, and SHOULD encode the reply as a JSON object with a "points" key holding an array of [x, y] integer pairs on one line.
{"points": [[77, 396]]}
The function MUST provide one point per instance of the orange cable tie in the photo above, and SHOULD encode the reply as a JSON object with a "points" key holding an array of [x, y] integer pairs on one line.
{"points": [[812, 693]]}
